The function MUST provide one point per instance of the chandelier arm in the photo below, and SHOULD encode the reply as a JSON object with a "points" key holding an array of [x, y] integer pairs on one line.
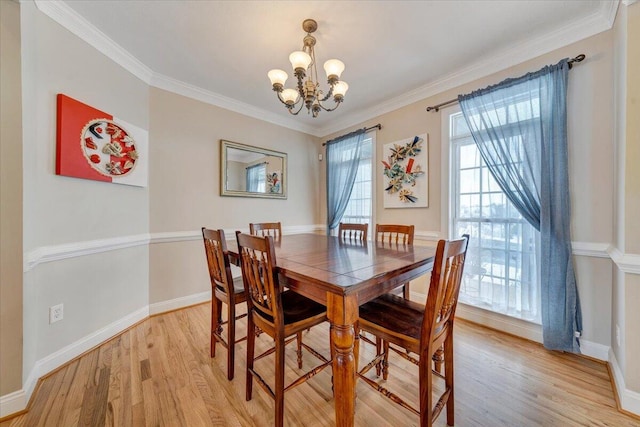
{"points": [[290, 109], [328, 94], [329, 109]]}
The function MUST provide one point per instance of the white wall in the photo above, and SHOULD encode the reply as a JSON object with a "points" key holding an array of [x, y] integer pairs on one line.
{"points": [[185, 186], [97, 289], [86, 243]]}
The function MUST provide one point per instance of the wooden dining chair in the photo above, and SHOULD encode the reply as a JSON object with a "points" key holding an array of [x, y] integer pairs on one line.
{"points": [[280, 314], [347, 231], [396, 234], [224, 289], [409, 329], [273, 229]]}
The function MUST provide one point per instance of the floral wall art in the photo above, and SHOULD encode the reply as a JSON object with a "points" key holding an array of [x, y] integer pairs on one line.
{"points": [[274, 182], [406, 173], [92, 144]]}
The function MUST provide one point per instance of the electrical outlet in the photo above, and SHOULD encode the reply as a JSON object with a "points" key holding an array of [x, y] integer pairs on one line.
{"points": [[618, 335], [56, 313]]}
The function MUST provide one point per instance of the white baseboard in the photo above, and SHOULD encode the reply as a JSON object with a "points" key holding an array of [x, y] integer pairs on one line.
{"points": [[13, 402], [17, 401], [594, 350], [629, 400], [177, 303]]}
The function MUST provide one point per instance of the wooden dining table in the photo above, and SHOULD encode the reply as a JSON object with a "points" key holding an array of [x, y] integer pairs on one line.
{"points": [[342, 275]]}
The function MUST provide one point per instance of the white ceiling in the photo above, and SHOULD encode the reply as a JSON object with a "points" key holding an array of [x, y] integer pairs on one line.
{"points": [[396, 52]]}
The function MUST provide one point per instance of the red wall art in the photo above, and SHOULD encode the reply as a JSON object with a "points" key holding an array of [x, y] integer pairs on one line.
{"points": [[92, 144]]}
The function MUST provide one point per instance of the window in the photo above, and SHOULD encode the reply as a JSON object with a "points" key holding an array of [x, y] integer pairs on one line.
{"points": [[501, 269], [359, 209]]}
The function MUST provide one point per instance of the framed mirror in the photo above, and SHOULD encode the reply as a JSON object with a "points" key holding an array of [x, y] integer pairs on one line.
{"points": [[248, 171]]}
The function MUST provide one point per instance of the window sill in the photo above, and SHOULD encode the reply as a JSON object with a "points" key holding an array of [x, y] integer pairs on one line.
{"points": [[511, 325]]}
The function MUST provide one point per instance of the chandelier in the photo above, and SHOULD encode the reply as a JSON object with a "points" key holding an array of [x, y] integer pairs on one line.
{"points": [[304, 68]]}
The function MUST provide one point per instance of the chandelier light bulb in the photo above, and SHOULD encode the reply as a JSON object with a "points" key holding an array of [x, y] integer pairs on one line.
{"points": [[277, 77], [300, 59], [290, 96], [334, 68], [340, 88]]}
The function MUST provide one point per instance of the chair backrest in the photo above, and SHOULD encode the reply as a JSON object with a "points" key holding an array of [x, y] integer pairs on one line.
{"points": [[394, 233], [215, 248], [258, 261], [273, 229], [353, 231], [444, 288]]}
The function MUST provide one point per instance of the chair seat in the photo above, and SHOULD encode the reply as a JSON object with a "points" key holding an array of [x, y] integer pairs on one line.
{"points": [[296, 308], [394, 313]]}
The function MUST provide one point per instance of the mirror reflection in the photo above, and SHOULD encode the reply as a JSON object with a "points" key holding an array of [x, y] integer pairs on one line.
{"points": [[249, 171]]}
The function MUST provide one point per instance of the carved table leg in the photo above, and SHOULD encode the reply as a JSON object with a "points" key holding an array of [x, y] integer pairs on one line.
{"points": [[343, 313]]}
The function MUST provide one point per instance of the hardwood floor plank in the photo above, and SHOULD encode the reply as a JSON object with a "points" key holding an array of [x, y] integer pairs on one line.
{"points": [[159, 373]]}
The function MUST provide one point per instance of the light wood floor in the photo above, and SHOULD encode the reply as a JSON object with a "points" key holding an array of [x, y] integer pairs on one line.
{"points": [[159, 373]]}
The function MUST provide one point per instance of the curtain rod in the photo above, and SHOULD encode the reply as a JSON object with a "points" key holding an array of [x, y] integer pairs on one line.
{"points": [[436, 108], [257, 164], [378, 126]]}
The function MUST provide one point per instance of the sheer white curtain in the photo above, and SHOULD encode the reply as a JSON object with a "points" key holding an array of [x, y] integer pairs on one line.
{"points": [[501, 268], [256, 176], [520, 129], [343, 158]]}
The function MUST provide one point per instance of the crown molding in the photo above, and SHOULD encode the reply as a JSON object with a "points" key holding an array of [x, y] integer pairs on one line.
{"points": [[609, 10], [60, 12], [64, 15], [599, 21], [190, 91]]}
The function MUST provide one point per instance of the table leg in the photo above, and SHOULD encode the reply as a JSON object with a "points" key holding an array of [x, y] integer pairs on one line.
{"points": [[343, 314]]}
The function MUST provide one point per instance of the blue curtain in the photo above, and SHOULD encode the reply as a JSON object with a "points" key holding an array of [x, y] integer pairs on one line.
{"points": [[255, 177], [343, 157], [520, 128]]}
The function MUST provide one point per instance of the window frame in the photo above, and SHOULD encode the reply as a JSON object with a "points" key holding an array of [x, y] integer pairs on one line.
{"points": [[528, 328], [371, 136]]}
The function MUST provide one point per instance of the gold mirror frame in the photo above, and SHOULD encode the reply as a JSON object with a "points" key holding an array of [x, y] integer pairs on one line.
{"points": [[236, 158]]}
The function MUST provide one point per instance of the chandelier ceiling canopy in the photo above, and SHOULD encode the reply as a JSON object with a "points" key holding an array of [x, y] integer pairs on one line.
{"points": [[308, 92]]}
